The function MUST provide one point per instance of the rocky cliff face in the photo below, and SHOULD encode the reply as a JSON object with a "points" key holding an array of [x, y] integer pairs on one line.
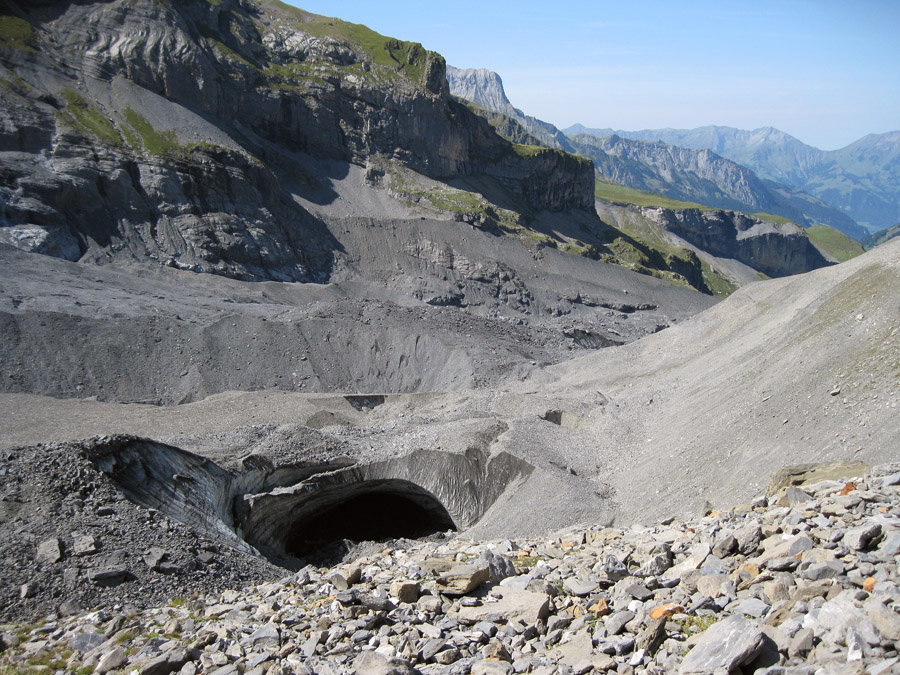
{"points": [[775, 250], [704, 177], [481, 86], [485, 89], [697, 167], [550, 178], [185, 130]]}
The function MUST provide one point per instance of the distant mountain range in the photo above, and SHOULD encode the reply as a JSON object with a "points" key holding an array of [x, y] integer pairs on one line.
{"points": [[707, 178], [689, 174], [862, 179]]}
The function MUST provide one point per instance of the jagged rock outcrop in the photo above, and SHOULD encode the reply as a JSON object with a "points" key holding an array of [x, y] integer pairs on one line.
{"points": [[549, 179], [696, 170], [186, 131], [481, 86], [485, 89], [776, 250]]}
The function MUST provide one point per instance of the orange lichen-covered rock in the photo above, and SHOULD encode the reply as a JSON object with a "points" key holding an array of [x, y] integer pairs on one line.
{"points": [[667, 610], [847, 489], [750, 568]]}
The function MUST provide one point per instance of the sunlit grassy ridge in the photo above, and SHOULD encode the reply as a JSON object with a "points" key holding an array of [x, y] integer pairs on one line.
{"points": [[829, 240], [402, 56], [836, 243], [621, 194]]}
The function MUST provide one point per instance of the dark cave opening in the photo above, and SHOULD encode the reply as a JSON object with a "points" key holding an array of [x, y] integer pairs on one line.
{"points": [[380, 512]]}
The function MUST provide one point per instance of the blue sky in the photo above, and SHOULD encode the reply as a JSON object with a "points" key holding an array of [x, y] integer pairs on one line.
{"points": [[827, 72]]}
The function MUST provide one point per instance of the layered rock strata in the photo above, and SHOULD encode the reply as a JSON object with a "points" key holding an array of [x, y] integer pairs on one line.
{"points": [[775, 250], [189, 132]]}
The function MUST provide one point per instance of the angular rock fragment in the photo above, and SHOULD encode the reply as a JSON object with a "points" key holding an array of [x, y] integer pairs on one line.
{"points": [[463, 579], [111, 575], [512, 604], [50, 550], [372, 663], [112, 660], [724, 646], [614, 569], [500, 567], [405, 591], [84, 544], [652, 637], [579, 587], [861, 538], [267, 636]]}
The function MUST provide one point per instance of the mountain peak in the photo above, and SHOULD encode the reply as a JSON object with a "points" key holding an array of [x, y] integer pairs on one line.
{"points": [[481, 86]]}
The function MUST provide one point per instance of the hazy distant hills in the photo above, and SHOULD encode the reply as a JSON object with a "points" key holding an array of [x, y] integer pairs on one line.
{"points": [[862, 179], [694, 174], [706, 177]]}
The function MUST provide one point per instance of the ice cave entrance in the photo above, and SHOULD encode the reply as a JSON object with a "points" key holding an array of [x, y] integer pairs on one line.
{"points": [[367, 511]]}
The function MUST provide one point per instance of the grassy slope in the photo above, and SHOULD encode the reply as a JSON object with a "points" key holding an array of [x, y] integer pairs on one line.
{"points": [[836, 243], [828, 239], [406, 57], [651, 236], [16, 33], [620, 194], [832, 241]]}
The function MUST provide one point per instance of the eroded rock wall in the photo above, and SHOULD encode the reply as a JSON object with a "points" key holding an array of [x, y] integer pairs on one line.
{"points": [[775, 250], [173, 131]]}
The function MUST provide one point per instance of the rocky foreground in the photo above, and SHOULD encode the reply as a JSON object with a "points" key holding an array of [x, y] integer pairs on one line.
{"points": [[802, 581]]}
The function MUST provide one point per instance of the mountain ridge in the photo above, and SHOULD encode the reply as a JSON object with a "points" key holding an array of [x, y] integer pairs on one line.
{"points": [[679, 174], [862, 178], [172, 125]]}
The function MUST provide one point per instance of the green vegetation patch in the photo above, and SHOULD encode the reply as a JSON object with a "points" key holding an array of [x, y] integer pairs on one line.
{"points": [[698, 624], [718, 285], [445, 199], [523, 150], [834, 242], [90, 118], [621, 194], [16, 33], [772, 218], [527, 150], [408, 58], [213, 36], [291, 75], [155, 142]]}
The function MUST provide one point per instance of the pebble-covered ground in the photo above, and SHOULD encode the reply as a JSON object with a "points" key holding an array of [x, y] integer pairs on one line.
{"points": [[803, 581]]}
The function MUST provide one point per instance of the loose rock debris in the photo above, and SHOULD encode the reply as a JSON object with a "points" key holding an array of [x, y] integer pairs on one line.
{"points": [[802, 581]]}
